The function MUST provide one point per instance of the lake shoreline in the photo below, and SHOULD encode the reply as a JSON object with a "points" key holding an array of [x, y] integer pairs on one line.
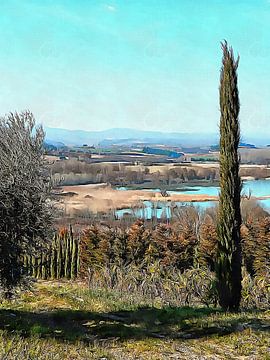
{"points": [[184, 186], [104, 198]]}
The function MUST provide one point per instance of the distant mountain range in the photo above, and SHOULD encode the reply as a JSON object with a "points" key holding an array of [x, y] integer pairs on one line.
{"points": [[125, 136]]}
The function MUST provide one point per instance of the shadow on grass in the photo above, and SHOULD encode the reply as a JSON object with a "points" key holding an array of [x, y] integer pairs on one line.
{"points": [[170, 323]]}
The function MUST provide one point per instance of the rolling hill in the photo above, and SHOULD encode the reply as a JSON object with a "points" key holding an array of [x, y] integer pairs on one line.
{"points": [[126, 136]]}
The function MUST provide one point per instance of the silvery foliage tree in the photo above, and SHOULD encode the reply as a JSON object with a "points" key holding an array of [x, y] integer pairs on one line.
{"points": [[25, 205]]}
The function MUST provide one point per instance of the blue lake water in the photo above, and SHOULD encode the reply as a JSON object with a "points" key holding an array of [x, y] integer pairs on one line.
{"points": [[257, 188], [149, 209], [162, 209]]}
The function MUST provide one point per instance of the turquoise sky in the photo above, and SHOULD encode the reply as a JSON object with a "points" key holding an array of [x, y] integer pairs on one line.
{"points": [[145, 64]]}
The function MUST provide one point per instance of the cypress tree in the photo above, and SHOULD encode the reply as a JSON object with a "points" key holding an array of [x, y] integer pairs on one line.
{"points": [[74, 255], [28, 265], [78, 256], [34, 266], [228, 266], [39, 265], [54, 260], [25, 263], [48, 262], [59, 257], [67, 255], [43, 266]]}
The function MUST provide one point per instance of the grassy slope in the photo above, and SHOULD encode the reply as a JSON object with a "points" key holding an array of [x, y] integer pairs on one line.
{"points": [[66, 321]]}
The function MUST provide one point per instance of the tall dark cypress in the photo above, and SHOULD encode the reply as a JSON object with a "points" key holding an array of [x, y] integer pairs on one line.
{"points": [[67, 258], [60, 272], [228, 267], [74, 255], [54, 259]]}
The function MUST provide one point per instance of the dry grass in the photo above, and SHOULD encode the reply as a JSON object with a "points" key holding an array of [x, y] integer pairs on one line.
{"points": [[97, 198], [64, 320]]}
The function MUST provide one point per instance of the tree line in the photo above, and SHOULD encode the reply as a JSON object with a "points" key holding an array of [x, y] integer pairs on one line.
{"points": [[190, 242]]}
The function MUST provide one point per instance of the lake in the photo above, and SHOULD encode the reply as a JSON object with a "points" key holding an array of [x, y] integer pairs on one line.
{"points": [[160, 209]]}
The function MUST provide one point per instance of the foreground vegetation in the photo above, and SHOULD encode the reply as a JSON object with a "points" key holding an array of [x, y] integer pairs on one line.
{"points": [[64, 320]]}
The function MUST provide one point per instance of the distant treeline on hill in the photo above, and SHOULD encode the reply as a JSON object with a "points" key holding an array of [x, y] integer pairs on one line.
{"points": [[166, 152], [241, 145]]}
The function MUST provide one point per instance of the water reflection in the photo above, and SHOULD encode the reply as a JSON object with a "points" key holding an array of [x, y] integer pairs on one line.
{"points": [[163, 209]]}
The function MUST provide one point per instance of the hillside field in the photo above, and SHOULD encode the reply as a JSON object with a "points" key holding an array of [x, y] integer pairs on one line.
{"points": [[65, 320]]}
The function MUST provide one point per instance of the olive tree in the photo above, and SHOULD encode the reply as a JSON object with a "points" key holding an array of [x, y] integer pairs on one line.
{"points": [[25, 205]]}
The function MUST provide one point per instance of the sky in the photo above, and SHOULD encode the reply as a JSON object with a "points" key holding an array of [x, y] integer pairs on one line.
{"points": [[143, 64]]}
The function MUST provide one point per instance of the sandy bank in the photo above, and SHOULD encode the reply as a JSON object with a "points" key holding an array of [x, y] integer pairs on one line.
{"points": [[102, 197]]}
